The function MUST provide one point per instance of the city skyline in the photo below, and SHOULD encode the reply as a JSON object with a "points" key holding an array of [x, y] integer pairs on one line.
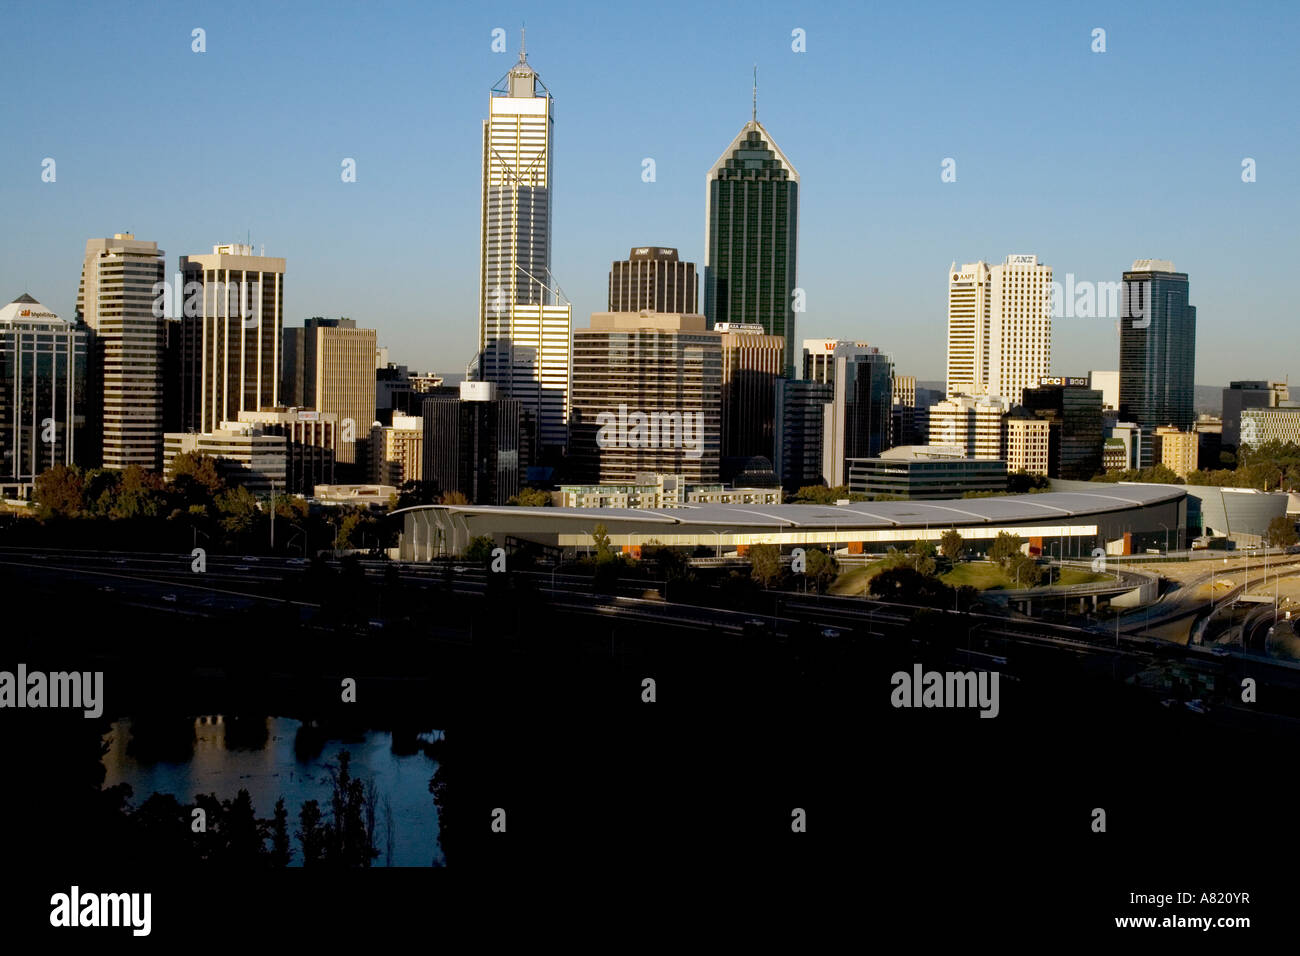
{"points": [[1086, 212]]}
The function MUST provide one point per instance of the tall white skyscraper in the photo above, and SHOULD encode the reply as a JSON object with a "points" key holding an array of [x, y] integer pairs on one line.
{"points": [[524, 331], [116, 300], [968, 329], [1020, 326], [999, 327]]}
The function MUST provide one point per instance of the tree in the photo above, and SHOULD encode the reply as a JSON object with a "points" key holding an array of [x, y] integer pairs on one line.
{"points": [[311, 834], [57, 491], [1024, 570], [413, 493], [765, 563], [1281, 532], [822, 568], [531, 498], [195, 478], [1004, 546], [600, 540], [908, 586], [281, 853], [453, 498], [952, 545], [479, 549]]}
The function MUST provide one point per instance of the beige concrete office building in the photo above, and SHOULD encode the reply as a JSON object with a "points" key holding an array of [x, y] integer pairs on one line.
{"points": [[1026, 442], [1020, 326], [969, 298], [245, 455], [1178, 449], [905, 390], [230, 335], [397, 451], [970, 423], [999, 327], [118, 300], [646, 397]]}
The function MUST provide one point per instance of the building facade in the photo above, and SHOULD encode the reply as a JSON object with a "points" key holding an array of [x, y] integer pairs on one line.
{"points": [[969, 303], [230, 335], [471, 444], [1178, 450], [1280, 424], [330, 366], [1074, 413], [1157, 348], [244, 454], [800, 422], [652, 277], [752, 361], [646, 397], [1239, 396], [752, 236], [310, 440], [1027, 441], [857, 420], [925, 478], [43, 394], [973, 424], [118, 301], [397, 451], [1020, 326]]}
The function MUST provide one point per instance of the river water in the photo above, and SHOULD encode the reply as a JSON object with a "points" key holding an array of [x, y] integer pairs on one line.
{"points": [[275, 770]]}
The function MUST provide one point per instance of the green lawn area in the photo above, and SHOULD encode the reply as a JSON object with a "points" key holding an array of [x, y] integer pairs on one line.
{"points": [[976, 574], [852, 582]]}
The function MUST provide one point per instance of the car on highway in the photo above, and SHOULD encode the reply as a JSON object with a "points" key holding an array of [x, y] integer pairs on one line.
{"points": [[1197, 706], [1168, 702], [119, 560], [241, 567], [460, 569], [830, 633], [1218, 650], [249, 560], [297, 562], [169, 598], [1000, 661], [377, 625], [107, 589]]}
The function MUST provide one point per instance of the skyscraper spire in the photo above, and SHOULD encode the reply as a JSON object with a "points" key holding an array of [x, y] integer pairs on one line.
{"points": [[755, 92], [523, 43]]}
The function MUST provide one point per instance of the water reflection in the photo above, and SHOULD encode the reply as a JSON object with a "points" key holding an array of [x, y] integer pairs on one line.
{"points": [[273, 757]]}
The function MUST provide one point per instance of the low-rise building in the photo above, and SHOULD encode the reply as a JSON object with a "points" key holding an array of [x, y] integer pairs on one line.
{"points": [[662, 491]]}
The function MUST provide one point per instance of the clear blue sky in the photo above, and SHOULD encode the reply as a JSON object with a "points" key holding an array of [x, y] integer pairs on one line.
{"points": [[1088, 159]]}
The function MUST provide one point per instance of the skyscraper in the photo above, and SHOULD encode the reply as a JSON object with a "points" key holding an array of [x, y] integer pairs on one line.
{"points": [[471, 444], [968, 329], [652, 277], [329, 365], [751, 364], [1020, 326], [42, 392], [646, 397], [523, 330], [999, 327], [234, 314], [857, 418], [1239, 396], [116, 299], [1157, 349], [751, 241]]}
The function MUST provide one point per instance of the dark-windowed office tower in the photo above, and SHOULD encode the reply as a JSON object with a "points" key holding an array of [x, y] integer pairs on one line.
{"points": [[652, 277], [1157, 349], [471, 444], [753, 226]]}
